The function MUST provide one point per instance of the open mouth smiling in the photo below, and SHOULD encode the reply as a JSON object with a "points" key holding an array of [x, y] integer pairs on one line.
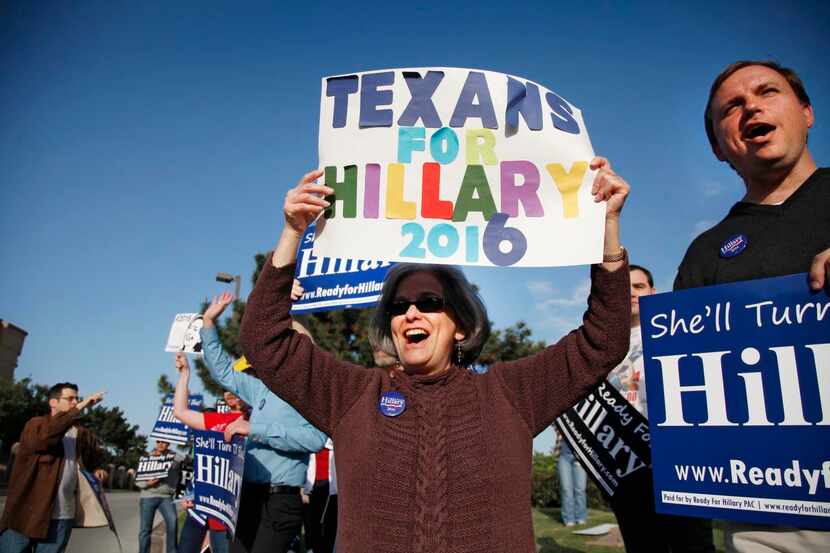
{"points": [[757, 131], [416, 335]]}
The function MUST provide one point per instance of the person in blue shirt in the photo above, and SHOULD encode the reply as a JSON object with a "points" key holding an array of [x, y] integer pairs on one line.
{"points": [[279, 442]]}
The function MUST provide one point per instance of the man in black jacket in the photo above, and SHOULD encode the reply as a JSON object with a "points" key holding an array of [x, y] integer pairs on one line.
{"points": [[757, 120]]}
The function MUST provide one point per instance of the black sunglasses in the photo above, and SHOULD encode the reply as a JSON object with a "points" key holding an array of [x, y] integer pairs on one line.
{"points": [[427, 304]]}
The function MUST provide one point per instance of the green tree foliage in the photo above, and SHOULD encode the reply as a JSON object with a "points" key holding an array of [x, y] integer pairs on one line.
{"points": [[164, 387], [122, 442], [19, 402], [545, 480], [514, 342], [22, 400], [259, 260], [344, 332]]}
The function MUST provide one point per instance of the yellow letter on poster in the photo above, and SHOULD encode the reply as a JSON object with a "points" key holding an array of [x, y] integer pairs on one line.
{"points": [[396, 206], [480, 144], [568, 185]]}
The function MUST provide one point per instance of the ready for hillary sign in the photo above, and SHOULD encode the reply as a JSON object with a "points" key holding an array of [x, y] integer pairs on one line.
{"points": [[447, 165], [738, 380], [608, 435], [151, 467], [170, 429], [335, 282]]}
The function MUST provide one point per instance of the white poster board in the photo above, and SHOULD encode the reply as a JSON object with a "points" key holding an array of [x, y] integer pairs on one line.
{"points": [[184, 334], [448, 165]]}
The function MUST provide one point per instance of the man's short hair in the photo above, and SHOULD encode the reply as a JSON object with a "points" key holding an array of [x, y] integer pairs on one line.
{"points": [[790, 75], [56, 390], [632, 267]]}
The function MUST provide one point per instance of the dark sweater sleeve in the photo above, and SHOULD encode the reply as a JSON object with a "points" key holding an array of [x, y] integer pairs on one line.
{"points": [[544, 385], [317, 384]]}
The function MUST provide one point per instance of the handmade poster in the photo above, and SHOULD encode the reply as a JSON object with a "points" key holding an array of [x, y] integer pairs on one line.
{"points": [[738, 379], [151, 467], [608, 436], [459, 166], [184, 334], [218, 467], [169, 428], [334, 282]]}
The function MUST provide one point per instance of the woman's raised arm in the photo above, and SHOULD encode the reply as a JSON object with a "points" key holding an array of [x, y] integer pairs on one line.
{"points": [[181, 411], [316, 383], [544, 385]]}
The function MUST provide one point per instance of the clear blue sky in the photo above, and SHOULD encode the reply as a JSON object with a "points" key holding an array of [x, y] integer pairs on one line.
{"points": [[144, 146]]}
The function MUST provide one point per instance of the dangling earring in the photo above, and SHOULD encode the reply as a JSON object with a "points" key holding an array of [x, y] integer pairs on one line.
{"points": [[459, 354]]}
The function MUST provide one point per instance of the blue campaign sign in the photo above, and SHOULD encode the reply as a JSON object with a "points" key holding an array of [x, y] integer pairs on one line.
{"points": [[170, 429], [335, 283], [218, 467], [738, 379]]}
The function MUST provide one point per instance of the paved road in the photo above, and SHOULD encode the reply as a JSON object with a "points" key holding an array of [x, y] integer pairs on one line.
{"points": [[124, 507]]}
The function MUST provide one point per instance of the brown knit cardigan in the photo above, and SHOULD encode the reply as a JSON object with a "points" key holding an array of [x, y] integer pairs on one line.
{"points": [[452, 473]]}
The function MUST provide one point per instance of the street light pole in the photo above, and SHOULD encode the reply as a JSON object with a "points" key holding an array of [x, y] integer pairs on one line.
{"points": [[228, 278]]}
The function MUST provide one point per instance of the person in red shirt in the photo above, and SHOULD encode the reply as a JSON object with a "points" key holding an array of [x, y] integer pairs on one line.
{"points": [[193, 533], [214, 420]]}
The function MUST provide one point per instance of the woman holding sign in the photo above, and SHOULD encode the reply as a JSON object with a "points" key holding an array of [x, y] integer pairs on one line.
{"points": [[433, 457]]}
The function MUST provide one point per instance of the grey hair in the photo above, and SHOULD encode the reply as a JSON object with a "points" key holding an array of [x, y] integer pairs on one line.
{"points": [[460, 298]]}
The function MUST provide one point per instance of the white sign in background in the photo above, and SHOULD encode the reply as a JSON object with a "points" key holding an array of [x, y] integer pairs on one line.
{"points": [[185, 334], [393, 227]]}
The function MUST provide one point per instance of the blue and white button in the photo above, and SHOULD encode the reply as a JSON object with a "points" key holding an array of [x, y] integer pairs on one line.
{"points": [[392, 403], [733, 246]]}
